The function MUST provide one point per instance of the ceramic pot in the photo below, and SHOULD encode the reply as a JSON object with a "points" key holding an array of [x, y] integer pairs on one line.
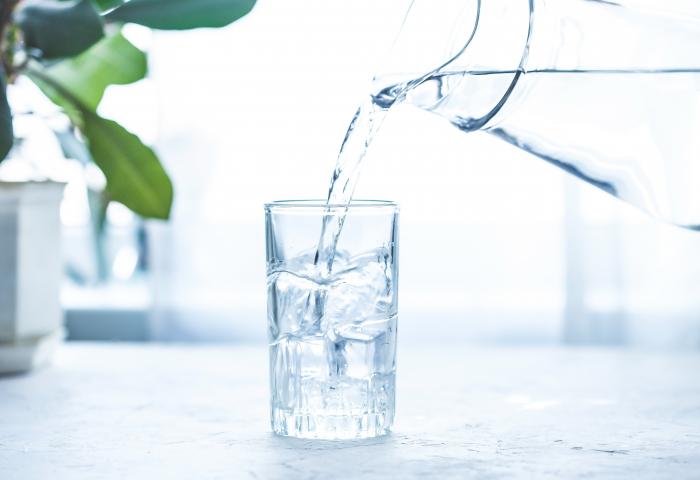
{"points": [[31, 319]]}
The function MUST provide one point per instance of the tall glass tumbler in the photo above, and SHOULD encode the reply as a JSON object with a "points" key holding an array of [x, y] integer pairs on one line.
{"points": [[332, 331]]}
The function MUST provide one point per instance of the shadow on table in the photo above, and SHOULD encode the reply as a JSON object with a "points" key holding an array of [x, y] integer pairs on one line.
{"points": [[311, 444]]}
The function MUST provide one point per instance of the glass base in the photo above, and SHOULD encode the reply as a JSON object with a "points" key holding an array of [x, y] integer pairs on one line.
{"points": [[331, 427]]}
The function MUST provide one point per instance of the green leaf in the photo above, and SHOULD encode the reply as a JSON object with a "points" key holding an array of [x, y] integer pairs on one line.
{"points": [[58, 28], [112, 61], [135, 177], [107, 4], [181, 14], [134, 174], [6, 133]]}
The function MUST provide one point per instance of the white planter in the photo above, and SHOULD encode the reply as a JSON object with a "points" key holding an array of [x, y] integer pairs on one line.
{"points": [[31, 319]]}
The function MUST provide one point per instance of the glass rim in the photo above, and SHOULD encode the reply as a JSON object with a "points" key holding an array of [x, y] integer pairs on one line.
{"points": [[320, 203]]}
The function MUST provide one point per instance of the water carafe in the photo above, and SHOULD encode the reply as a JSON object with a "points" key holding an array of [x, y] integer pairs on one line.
{"points": [[608, 90]]}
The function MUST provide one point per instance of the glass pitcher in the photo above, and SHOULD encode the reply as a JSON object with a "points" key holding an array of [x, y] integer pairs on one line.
{"points": [[607, 90]]}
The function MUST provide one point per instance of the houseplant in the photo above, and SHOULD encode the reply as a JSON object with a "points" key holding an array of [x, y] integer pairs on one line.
{"points": [[73, 50]]}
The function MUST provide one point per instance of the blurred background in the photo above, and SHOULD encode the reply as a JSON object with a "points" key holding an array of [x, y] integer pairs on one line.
{"points": [[496, 246]]}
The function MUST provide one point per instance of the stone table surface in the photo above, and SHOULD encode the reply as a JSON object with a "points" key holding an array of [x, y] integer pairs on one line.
{"points": [[198, 412]]}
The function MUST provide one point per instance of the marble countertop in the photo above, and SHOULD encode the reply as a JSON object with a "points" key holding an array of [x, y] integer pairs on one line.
{"points": [[200, 412]]}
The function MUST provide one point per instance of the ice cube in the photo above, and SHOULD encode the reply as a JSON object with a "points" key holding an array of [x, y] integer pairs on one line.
{"points": [[366, 348], [313, 356], [299, 363], [361, 290], [360, 357], [295, 304]]}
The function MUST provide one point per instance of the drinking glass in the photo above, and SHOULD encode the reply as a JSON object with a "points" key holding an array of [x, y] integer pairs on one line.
{"points": [[332, 312]]}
